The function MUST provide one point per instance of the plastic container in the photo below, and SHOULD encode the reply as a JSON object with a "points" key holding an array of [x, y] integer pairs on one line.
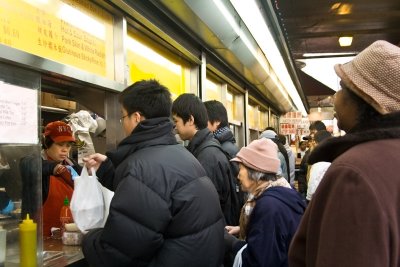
{"points": [[72, 238], [3, 236], [65, 215], [27, 243]]}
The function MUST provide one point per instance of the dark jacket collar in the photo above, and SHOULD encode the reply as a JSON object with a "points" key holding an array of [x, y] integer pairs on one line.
{"points": [[150, 132], [331, 148], [200, 137]]}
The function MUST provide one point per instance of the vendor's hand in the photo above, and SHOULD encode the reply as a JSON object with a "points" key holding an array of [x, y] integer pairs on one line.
{"points": [[63, 172], [94, 160], [233, 230], [229, 241]]}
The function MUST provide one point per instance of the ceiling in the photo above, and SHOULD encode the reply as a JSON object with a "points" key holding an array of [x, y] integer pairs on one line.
{"points": [[299, 27], [314, 26]]}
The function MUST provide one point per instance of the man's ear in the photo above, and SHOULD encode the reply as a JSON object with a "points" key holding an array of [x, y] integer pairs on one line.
{"points": [[137, 117], [191, 120]]}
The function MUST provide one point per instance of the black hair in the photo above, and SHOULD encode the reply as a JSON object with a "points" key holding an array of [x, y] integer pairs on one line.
{"points": [[147, 97], [282, 139], [317, 125], [216, 112], [270, 128], [187, 105], [47, 142], [321, 136]]}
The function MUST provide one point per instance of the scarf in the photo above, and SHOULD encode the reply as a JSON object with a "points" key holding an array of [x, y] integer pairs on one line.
{"points": [[252, 200], [224, 134]]}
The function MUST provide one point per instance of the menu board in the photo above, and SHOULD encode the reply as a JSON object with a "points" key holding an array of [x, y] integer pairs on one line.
{"points": [[72, 32], [18, 115], [294, 123]]}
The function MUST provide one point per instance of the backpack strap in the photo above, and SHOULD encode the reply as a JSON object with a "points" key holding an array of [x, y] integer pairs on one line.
{"points": [[237, 195], [209, 143]]}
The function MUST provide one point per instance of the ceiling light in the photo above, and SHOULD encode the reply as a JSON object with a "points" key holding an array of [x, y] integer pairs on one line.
{"points": [[74, 16], [250, 13], [345, 40], [328, 55], [342, 8]]}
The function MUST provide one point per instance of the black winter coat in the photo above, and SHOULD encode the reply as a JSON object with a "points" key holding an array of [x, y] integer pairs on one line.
{"points": [[217, 166], [165, 209]]}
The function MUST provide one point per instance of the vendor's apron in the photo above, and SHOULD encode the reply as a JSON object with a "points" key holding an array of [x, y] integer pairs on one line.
{"points": [[58, 190]]}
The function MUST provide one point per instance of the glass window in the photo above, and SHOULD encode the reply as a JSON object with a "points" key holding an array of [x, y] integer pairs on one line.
{"points": [[147, 62]]}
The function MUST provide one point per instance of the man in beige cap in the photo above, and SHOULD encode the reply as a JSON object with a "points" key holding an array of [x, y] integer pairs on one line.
{"points": [[354, 216]]}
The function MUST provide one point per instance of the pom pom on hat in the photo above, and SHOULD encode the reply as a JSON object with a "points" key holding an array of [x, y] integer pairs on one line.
{"points": [[260, 155]]}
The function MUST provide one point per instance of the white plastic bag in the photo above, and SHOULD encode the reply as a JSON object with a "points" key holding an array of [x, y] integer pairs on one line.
{"points": [[87, 203], [107, 197]]}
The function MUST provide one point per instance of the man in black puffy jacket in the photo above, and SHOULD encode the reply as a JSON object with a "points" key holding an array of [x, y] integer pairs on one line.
{"points": [[165, 209]]}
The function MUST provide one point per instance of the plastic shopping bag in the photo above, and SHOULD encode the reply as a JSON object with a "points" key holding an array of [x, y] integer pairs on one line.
{"points": [[107, 197], [87, 203]]}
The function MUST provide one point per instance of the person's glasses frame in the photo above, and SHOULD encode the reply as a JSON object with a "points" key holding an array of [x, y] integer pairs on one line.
{"points": [[122, 118]]}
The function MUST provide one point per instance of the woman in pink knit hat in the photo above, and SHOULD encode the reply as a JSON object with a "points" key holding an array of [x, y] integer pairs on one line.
{"points": [[272, 212]]}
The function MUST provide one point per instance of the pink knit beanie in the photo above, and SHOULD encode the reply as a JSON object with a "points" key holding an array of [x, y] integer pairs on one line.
{"points": [[260, 155]]}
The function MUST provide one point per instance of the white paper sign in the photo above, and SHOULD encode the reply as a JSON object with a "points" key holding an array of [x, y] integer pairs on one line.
{"points": [[18, 114]]}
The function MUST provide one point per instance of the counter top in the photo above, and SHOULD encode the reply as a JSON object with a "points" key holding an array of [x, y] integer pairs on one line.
{"points": [[56, 254]]}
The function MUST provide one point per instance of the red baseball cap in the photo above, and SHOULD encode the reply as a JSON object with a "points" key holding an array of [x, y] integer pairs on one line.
{"points": [[59, 132]]}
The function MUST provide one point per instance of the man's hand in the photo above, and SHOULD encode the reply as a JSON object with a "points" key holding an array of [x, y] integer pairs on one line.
{"points": [[229, 240], [94, 160]]}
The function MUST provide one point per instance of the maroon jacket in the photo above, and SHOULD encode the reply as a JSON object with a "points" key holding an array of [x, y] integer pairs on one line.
{"points": [[354, 217]]}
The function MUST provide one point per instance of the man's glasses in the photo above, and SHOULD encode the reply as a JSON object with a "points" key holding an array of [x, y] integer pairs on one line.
{"points": [[122, 118]]}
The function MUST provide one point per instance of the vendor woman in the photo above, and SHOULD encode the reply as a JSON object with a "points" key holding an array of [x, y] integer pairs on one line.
{"points": [[57, 173]]}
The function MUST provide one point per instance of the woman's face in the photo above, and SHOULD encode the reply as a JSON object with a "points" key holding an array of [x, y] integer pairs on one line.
{"points": [[59, 151], [246, 183], [345, 110]]}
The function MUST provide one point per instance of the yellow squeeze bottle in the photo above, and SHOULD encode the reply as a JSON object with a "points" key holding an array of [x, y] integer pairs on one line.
{"points": [[27, 243]]}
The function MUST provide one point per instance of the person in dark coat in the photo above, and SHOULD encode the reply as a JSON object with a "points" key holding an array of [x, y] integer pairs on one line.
{"points": [[354, 216], [219, 126], [272, 212], [190, 117], [165, 210]]}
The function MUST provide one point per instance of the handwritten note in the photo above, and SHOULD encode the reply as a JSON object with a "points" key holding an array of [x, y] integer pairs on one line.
{"points": [[18, 115]]}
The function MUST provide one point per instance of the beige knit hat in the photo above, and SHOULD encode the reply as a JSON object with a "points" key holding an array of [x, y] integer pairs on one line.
{"points": [[374, 75]]}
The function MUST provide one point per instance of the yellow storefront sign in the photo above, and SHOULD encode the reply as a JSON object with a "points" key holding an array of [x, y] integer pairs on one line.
{"points": [[71, 32]]}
